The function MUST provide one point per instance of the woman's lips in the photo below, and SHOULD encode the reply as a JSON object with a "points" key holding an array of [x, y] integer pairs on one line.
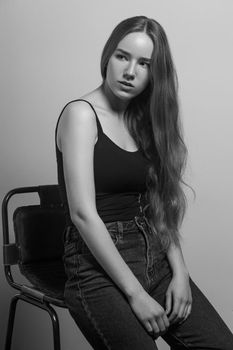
{"points": [[126, 84]]}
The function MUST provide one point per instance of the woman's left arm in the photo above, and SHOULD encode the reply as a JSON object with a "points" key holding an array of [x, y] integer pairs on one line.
{"points": [[178, 294]]}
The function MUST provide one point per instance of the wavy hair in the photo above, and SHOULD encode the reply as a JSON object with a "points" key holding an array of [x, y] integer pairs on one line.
{"points": [[154, 122]]}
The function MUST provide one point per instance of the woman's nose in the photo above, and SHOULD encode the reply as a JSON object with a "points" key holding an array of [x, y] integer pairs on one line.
{"points": [[130, 71]]}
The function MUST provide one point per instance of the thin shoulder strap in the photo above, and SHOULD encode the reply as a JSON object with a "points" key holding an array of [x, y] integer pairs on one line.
{"points": [[80, 99], [97, 119]]}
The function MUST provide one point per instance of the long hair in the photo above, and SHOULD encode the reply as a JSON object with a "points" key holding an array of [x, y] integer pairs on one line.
{"points": [[154, 122]]}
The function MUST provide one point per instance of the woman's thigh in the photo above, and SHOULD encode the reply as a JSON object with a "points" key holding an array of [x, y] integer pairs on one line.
{"points": [[203, 329], [98, 306], [106, 320]]}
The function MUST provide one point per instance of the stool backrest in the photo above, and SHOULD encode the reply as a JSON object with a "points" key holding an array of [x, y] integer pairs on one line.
{"points": [[38, 228], [39, 232]]}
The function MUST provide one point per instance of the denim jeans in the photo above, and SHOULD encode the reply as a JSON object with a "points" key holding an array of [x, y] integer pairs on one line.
{"points": [[101, 310]]}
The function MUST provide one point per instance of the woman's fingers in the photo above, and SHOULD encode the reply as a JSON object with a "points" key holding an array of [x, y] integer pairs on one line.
{"points": [[185, 312], [155, 328], [158, 325], [188, 308], [188, 311], [181, 313], [175, 310], [166, 321], [161, 325], [178, 311], [149, 327], [168, 303]]}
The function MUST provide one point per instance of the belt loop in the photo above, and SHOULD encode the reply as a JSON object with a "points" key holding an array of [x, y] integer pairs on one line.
{"points": [[66, 234], [120, 228], [138, 221]]}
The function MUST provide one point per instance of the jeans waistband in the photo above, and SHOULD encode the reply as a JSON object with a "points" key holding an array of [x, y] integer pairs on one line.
{"points": [[71, 232], [124, 225]]}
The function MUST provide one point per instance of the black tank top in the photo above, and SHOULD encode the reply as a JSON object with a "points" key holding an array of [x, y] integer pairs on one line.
{"points": [[119, 175]]}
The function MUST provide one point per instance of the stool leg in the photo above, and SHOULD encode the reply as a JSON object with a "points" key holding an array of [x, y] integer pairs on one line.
{"points": [[48, 308], [11, 319], [56, 330]]}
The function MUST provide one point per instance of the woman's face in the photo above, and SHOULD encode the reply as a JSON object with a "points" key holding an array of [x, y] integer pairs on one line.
{"points": [[127, 72]]}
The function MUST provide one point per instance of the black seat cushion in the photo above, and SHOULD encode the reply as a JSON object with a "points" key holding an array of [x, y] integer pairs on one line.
{"points": [[48, 277]]}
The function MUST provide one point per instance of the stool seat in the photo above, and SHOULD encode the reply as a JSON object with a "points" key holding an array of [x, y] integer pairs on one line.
{"points": [[39, 274]]}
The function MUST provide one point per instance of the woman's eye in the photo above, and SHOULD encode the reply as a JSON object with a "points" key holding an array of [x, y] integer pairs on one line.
{"points": [[120, 57], [144, 64]]}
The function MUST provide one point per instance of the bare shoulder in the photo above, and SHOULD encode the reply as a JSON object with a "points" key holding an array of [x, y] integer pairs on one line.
{"points": [[77, 111], [77, 116]]}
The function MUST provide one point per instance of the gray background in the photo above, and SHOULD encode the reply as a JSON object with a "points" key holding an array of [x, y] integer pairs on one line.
{"points": [[50, 53]]}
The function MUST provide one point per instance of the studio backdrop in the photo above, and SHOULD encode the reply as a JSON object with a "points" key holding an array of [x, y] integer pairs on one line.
{"points": [[50, 54]]}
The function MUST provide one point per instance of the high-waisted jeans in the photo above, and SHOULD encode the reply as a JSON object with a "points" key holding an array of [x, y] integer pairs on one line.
{"points": [[101, 310]]}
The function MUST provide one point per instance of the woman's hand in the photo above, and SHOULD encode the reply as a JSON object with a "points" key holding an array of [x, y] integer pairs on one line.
{"points": [[178, 298], [150, 313]]}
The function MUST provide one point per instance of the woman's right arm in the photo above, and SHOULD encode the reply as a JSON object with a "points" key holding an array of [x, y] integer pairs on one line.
{"points": [[77, 136]]}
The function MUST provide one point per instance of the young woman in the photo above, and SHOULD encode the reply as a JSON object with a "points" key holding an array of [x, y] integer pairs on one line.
{"points": [[120, 157]]}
